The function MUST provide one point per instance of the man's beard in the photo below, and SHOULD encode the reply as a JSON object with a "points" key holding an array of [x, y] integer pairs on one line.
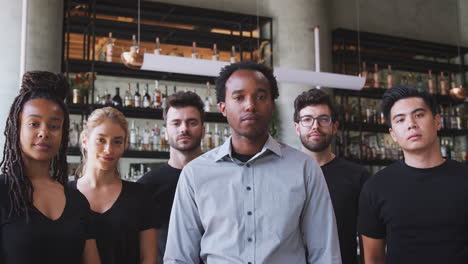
{"points": [[186, 148], [317, 146]]}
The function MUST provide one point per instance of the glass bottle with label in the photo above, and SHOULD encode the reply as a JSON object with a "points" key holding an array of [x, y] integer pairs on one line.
{"points": [[133, 136], [215, 56], [443, 84], [389, 77], [376, 76], [208, 138], [137, 96], [157, 49], [73, 135], [217, 137], [233, 54], [117, 100], [128, 102], [146, 137], [146, 98], [164, 146], [453, 83], [157, 95], [139, 137], [110, 48], [226, 134], [164, 98], [194, 50], [156, 138], [208, 101], [430, 83]]}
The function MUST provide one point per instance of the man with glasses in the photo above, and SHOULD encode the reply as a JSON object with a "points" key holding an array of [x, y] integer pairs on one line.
{"points": [[316, 125]]}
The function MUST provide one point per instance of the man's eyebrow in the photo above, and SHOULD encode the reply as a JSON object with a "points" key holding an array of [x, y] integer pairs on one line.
{"points": [[412, 112]]}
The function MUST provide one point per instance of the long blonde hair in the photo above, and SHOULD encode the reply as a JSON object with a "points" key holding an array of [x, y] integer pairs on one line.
{"points": [[95, 119]]}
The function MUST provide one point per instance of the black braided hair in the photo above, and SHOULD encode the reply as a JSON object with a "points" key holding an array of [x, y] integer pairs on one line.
{"points": [[35, 85]]}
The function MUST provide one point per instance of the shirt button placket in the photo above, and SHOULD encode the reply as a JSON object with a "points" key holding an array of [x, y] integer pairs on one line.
{"points": [[250, 220]]}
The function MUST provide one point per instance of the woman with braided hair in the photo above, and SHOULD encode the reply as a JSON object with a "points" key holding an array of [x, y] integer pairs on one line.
{"points": [[41, 219]]}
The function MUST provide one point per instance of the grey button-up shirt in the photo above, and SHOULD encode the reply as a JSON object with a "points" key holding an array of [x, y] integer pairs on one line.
{"points": [[274, 208]]}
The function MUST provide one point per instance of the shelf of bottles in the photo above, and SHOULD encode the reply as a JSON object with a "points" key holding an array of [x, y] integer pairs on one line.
{"points": [[150, 141], [174, 24], [96, 34], [144, 110]]}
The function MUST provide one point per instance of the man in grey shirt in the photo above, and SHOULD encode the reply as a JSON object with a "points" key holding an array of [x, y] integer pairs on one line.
{"points": [[251, 200]]}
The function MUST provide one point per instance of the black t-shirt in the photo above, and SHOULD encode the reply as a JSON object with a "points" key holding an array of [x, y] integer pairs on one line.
{"points": [[162, 183], [345, 180], [118, 228], [422, 213], [40, 239]]}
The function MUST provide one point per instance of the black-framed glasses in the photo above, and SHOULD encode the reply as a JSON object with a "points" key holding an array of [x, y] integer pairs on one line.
{"points": [[308, 121]]}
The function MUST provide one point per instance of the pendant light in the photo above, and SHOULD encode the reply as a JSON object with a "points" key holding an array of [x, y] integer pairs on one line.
{"points": [[133, 59]]}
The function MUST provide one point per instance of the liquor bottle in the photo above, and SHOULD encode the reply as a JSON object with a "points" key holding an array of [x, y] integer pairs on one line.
{"points": [[215, 56], [208, 101], [134, 46], [146, 137], [157, 50], [447, 119], [389, 77], [453, 83], [174, 89], [459, 119], [225, 134], [157, 95], [365, 74], [217, 137], [453, 119], [97, 98], [137, 96], [117, 100], [443, 84], [133, 136], [208, 138], [110, 48], [376, 76], [73, 135], [442, 118], [233, 54], [194, 50], [156, 138], [146, 98], [139, 139], [107, 98], [128, 97], [451, 149], [164, 97], [419, 83], [430, 83], [163, 144], [444, 149]]}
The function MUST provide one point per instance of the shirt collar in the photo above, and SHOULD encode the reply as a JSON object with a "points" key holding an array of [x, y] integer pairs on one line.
{"points": [[270, 145]]}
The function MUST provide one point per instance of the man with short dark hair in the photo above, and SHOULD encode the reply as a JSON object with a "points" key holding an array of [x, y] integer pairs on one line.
{"points": [[251, 200], [415, 210], [184, 116], [316, 124]]}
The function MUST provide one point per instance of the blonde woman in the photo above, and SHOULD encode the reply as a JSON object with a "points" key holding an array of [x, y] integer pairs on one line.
{"points": [[125, 224]]}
